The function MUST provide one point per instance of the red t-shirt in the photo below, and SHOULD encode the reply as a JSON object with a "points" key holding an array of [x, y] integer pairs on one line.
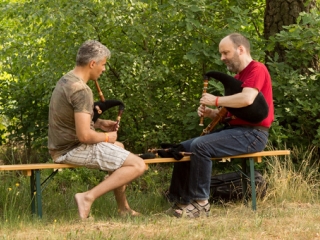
{"points": [[256, 75]]}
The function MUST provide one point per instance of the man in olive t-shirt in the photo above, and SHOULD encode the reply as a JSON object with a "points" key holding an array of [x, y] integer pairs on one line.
{"points": [[72, 137], [70, 95]]}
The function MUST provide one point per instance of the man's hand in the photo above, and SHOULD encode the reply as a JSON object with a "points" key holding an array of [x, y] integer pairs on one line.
{"points": [[208, 99], [112, 137], [106, 125], [207, 112]]}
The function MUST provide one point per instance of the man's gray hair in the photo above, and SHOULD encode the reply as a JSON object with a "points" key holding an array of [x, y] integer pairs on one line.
{"points": [[92, 50], [239, 39]]}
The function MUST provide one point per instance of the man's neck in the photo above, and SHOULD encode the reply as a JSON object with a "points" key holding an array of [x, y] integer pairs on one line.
{"points": [[81, 73], [246, 62]]}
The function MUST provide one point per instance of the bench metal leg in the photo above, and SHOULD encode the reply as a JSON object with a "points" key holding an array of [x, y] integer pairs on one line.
{"points": [[253, 185], [32, 191], [39, 193], [244, 177], [36, 188]]}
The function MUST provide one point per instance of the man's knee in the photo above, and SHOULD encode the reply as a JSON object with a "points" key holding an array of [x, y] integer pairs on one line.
{"points": [[202, 148], [119, 144], [141, 166], [196, 145], [136, 162]]}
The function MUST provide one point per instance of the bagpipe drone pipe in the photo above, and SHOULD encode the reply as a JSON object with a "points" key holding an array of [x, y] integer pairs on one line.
{"points": [[101, 106]]}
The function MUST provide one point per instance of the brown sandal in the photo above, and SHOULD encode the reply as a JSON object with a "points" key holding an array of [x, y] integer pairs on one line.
{"points": [[196, 212], [171, 211]]}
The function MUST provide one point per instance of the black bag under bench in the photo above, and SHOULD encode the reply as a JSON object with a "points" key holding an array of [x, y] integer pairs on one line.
{"points": [[228, 186]]}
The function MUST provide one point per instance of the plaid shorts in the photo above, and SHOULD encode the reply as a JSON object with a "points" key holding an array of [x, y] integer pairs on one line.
{"points": [[104, 156]]}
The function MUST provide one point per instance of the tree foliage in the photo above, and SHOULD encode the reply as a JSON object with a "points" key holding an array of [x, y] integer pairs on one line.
{"points": [[160, 50], [295, 84]]}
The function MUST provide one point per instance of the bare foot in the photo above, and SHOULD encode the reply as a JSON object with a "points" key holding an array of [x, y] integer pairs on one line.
{"points": [[83, 205], [129, 212]]}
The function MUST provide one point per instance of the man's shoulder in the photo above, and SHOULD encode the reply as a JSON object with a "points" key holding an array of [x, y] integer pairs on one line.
{"points": [[72, 82], [70, 77], [256, 64]]}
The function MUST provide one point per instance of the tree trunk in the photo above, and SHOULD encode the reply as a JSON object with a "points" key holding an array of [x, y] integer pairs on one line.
{"points": [[280, 13]]}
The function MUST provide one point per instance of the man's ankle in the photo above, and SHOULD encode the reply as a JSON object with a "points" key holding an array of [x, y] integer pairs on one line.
{"points": [[202, 202]]}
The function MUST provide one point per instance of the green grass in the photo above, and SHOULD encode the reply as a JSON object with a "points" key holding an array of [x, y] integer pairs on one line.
{"points": [[235, 221], [290, 210]]}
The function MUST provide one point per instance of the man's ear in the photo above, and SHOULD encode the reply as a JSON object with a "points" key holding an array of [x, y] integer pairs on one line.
{"points": [[92, 63], [241, 50]]}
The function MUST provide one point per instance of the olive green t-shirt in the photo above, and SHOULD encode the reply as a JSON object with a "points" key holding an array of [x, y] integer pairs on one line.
{"points": [[70, 95]]}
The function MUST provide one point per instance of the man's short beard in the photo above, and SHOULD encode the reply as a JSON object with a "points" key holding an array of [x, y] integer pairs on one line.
{"points": [[234, 65], [232, 68]]}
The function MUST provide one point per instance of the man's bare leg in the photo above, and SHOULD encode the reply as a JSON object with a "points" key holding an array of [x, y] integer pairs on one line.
{"points": [[132, 168], [122, 202], [120, 196]]}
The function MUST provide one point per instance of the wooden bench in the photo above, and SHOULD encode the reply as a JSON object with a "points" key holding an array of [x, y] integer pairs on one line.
{"points": [[36, 187]]}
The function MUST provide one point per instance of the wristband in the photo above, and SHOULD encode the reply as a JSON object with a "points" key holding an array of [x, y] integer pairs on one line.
{"points": [[107, 137], [217, 101]]}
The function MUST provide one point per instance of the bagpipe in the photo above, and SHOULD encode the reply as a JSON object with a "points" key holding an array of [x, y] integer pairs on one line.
{"points": [[253, 113], [101, 106]]}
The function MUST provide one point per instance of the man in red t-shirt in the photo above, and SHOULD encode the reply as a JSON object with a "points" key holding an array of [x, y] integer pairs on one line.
{"points": [[190, 183]]}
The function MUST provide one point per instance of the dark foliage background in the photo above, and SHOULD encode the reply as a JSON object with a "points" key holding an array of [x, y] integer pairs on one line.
{"points": [[160, 49]]}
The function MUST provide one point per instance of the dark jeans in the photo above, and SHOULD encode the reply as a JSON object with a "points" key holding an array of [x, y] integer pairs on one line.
{"points": [[191, 180]]}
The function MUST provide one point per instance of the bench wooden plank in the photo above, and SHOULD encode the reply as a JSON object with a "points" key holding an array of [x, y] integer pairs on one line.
{"points": [[28, 168], [256, 156], [38, 166]]}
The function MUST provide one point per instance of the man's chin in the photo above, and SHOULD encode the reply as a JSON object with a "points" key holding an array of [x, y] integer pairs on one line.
{"points": [[230, 69]]}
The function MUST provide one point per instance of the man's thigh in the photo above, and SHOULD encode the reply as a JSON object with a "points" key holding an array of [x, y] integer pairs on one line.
{"points": [[230, 142], [104, 156]]}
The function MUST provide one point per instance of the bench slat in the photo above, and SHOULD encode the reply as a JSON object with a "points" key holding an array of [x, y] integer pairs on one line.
{"points": [[257, 156], [37, 166]]}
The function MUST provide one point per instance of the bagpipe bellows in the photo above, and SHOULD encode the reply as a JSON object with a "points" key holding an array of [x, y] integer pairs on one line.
{"points": [[253, 113], [105, 105]]}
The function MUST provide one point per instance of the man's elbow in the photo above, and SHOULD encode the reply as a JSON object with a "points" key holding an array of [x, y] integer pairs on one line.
{"points": [[84, 138], [249, 102]]}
